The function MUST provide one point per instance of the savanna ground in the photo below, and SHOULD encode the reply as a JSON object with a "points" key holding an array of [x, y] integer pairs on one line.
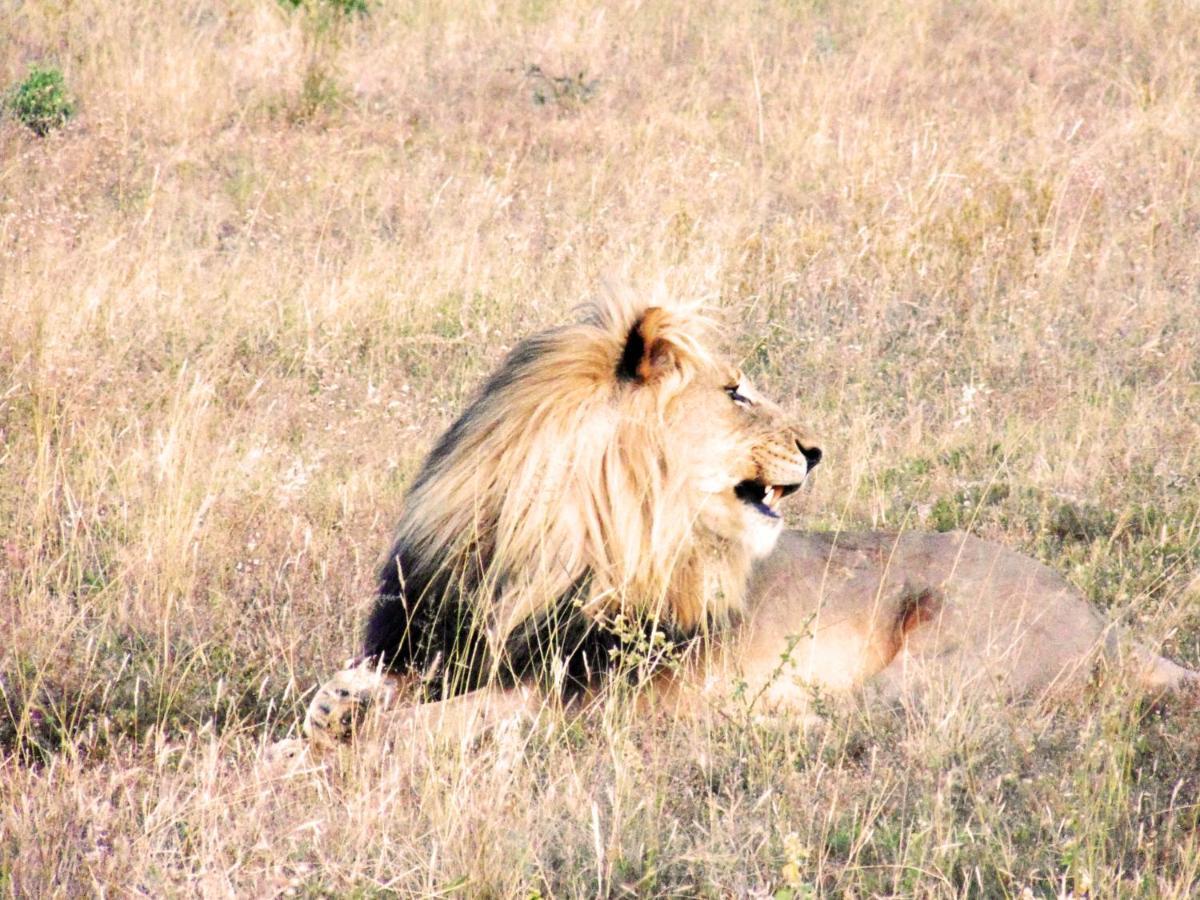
{"points": [[262, 266]]}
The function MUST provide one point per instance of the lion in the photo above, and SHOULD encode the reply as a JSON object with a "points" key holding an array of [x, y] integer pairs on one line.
{"points": [[616, 482]]}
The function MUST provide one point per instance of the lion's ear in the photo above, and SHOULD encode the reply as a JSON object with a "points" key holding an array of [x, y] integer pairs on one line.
{"points": [[648, 352]]}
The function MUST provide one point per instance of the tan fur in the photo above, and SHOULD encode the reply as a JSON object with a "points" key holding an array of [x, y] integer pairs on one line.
{"points": [[907, 614]]}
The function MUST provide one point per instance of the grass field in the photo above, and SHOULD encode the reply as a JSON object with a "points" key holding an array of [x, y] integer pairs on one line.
{"points": [[272, 251]]}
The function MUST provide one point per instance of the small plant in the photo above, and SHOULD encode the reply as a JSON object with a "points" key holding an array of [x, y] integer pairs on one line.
{"points": [[323, 25], [796, 856], [642, 649], [342, 7], [563, 90], [319, 91], [41, 101]]}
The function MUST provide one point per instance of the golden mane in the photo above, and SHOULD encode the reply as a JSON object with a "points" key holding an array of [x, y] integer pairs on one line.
{"points": [[554, 489]]}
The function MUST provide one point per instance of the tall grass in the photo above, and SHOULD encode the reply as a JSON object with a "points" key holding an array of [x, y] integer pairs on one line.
{"points": [[236, 304]]}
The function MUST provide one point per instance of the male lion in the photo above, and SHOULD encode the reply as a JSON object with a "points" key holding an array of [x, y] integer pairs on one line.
{"points": [[616, 483]]}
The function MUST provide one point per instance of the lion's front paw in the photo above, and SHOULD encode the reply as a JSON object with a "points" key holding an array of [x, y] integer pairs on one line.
{"points": [[337, 709]]}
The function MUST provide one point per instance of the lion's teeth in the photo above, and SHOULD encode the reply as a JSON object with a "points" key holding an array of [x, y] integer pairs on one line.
{"points": [[772, 495]]}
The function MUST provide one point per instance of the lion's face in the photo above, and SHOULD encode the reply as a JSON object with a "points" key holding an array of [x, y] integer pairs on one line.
{"points": [[747, 455]]}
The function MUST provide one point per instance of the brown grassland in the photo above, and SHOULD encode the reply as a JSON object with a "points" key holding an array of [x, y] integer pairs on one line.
{"points": [[262, 267]]}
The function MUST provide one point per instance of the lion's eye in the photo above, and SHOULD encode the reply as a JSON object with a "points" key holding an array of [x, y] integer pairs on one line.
{"points": [[737, 397]]}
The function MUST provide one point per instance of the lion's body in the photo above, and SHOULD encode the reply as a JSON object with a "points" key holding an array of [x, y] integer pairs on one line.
{"points": [[887, 607], [616, 472], [889, 616], [904, 614]]}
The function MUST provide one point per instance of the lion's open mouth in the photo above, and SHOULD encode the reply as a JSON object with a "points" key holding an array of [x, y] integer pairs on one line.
{"points": [[763, 497]]}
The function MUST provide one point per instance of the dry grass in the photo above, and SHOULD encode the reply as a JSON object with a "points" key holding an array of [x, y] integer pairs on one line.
{"points": [[245, 286]]}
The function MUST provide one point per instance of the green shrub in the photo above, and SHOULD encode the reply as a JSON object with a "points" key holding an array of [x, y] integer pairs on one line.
{"points": [[563, 90], [342, 7], [41, 101], [323, 24]]}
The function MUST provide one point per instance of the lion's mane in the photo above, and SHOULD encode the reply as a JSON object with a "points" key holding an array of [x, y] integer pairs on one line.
{"points": [[549, 507]]}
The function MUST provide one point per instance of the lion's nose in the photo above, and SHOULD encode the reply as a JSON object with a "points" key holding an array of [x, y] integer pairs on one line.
{"points": [[811, 454]]}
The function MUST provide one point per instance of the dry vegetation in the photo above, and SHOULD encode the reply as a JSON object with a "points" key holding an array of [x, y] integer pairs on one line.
{"points": [[261, 267]]}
